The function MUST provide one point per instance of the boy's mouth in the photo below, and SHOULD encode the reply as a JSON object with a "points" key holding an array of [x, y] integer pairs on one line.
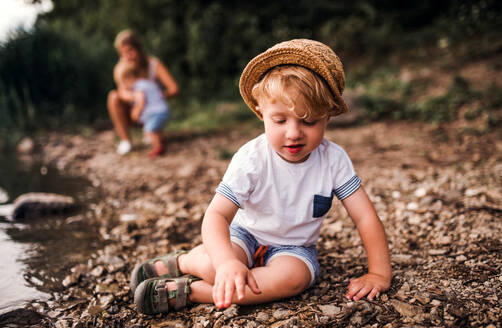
{"points": [[293, 149]]}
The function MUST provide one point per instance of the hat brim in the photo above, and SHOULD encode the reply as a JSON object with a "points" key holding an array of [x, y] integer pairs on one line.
{"points": [[258, 66]]}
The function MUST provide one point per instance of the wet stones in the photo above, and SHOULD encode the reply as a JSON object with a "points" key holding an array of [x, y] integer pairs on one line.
{"points": [[37, 204]]}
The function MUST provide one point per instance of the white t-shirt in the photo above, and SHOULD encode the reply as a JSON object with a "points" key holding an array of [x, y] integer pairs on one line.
{"points": [[154, 102], [282, 203]]}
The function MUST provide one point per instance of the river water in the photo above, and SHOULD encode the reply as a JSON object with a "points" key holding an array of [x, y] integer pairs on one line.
{"points": [[36, 254]]}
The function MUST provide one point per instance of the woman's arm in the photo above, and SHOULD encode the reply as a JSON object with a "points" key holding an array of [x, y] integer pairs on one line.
{"points": [[231, 274], [165, 77], [372, 233]]}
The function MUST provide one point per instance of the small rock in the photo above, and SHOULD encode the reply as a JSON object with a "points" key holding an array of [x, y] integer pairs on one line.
{"points": [[231, 311], [281, 314], [438, 251], [106, 300], [97, 271], [412, 206], [414, 220], [329, 310], [402, 259], [405, 289], [333, 228], [62, 324], [461, 258], [436, 303], [262, 317], [420, 192], [405, 309], [472, 192], [128, 217], [396, 194]]}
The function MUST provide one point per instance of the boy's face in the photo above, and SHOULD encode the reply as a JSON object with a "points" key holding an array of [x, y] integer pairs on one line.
{"points": [[293, 138]]}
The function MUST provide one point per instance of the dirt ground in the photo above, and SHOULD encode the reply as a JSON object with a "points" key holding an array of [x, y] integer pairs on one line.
{"points": [[437, 190]]}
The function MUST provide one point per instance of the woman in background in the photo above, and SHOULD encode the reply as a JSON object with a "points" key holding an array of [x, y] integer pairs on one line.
{"points": [[120, 101]]}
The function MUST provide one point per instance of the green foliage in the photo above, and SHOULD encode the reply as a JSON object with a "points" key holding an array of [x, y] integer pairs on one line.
{"points": [[387, 97], [49, 78]]}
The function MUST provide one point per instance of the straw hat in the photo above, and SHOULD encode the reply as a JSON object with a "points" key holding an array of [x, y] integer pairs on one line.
{"points": [[311, 54]]}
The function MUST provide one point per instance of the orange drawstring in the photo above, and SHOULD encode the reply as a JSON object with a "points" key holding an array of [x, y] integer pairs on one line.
{"points": [[258, 256]]}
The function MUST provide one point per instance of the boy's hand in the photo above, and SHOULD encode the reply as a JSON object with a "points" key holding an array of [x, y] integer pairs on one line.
{"points": [[370, 284], [232, 276]]}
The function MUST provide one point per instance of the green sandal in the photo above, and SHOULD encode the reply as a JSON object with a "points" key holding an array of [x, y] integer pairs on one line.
{"points": [[146, 270], [152, 296]]}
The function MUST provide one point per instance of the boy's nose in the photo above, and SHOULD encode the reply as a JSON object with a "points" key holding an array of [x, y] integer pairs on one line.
{"points": [[293, 131]]}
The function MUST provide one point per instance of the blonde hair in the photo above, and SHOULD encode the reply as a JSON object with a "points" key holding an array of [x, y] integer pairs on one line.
{"points": [[128, 37], [130, 71], [312, 89]]}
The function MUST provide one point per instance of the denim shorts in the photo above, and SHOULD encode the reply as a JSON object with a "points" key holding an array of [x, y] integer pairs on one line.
{"points": [[308, 254], [155, 122]]}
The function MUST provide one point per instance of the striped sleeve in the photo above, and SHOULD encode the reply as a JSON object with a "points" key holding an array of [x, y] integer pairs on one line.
{"points": [[225, 190], [348, 188]]}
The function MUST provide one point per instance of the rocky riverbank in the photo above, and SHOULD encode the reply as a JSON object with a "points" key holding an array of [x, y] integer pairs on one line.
{"points": [[437, 190]]}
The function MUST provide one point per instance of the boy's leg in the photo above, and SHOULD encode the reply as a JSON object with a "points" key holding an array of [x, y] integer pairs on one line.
{"points": [[284, 276], [197, 263], [156, 139]]}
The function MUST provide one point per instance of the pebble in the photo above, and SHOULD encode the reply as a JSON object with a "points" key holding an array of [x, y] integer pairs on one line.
{"points": [[262, 317], [461, 258], [438, 251], [405, 309], [415, 220], [281, 314], [420, 192], [329, 310], [396, 194], [413, 206], [472, 192], [128, 217]]}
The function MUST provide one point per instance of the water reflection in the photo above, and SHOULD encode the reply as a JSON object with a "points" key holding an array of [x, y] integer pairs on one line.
{"points": [[37, 254]]}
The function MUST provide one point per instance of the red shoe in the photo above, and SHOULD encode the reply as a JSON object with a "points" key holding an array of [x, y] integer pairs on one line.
{"points": [[157, 151]]}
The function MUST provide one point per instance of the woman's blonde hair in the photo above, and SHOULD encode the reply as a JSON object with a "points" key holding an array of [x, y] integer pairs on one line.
{"points": [[312, 88], [128, 37]]}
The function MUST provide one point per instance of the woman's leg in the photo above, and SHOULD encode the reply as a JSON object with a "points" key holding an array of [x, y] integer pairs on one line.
{"points": [[119, 113]]}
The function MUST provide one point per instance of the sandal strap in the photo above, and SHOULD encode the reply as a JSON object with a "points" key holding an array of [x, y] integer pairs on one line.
{"points": [[171, 263], [163, 295], [150, 271], [163, 299], [183, 290]]}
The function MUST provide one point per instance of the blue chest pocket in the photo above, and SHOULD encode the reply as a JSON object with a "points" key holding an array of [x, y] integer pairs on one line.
{"points": [[322, 204]]}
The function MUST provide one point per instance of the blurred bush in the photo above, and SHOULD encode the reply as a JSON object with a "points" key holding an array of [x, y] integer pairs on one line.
{"points": [[50, 79]]}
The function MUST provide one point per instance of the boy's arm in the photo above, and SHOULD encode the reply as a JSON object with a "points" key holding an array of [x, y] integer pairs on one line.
{"points": [[139, 104], [124, 94], [231, 274], [372, 233]]}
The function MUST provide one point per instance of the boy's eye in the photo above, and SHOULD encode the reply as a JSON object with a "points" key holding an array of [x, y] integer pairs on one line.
{"points": [[307, 122], [279, 120]]}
